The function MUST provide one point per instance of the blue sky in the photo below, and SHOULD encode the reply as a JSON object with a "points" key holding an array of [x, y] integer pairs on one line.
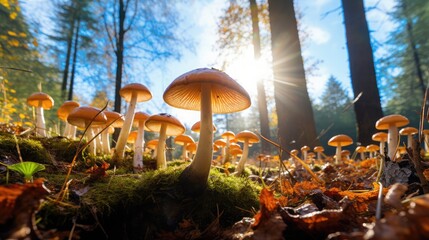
{"points": [[326, 44]]}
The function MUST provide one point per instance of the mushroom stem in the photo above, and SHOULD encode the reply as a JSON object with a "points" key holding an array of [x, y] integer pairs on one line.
{"points": [[40, 122], [92, 145], [409, 140], [184, 152], [106, 142], [126, 128], [392, 140], [338, 154], [160, 159], [243, 159], [426, 139], [196, 174], [139, 146], [382, 147]]}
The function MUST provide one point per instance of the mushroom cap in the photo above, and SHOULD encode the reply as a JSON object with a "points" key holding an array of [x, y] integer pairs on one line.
{"points": [[394, 119], [305, 148], [40, 98], [64, 110], [318, 149], [252, 138], [140, 116], [345, 152], [174, 126], [220, 142], [340, 140], [234, 145], [152, 144], [380, 136], [196, 127], [143, 93], [182, 139], [115, 119], [227, 95], [294, 152], [82, 117], [192, 147], [372, 148], [233, 140], [228, 134], [132, 137], [360, 149], [425, 131], [215, 148], [408, 131], [236, 151]]}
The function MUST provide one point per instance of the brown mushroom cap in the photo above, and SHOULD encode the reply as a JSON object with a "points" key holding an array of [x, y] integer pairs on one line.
{"points": [[305, 148], [143, 93], [182, 139], [345, 152], [228, 134], [174, 126], [82, 117], [40, 99], [408, 131], [372, 148], [192, 147], [318, 149], [152, 144], [220, 142], [252, 138], [114, 118], [380, 137], [227, 95], [64, 110], [236, 151], [196, 127], [132, 137], [394, 119], [340, 140], [360, 149], [234, 145], [140, 116]]}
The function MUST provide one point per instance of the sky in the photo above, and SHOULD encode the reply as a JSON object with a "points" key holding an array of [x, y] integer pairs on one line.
{"points": [[322, 19]]}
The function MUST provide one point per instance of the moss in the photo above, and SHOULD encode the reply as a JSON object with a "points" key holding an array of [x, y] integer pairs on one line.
{"points": [[31, 149], [62, 149]]}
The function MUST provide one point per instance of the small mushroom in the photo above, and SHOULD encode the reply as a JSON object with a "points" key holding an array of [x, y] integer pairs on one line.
{"points": [[371, 148], [228, 135], [153, 145], [208, 91], [361, 150], [304, 151], [391, 124], [62, 113], [41, 101], [165, 124], [382, 138], [319, 150], [184, 140], [247, 137], [409, 132], [132, 93], [345, 154], [236, 152], [339, 141], [114, 120], [139, 121], [87, 118]]}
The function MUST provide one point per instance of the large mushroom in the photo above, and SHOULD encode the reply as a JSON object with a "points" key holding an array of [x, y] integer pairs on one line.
{"points": [[208, 91], [132, 93], [40, 101], [247, 137], [339, 141], [87, 118], [391, 124], [165, 124], [62, 113], [139, 121]]}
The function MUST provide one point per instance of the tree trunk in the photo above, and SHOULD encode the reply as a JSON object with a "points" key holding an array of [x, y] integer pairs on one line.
{"points": [[119, 63], [367, 108], [66, 67], [76, 42], [296, 126], [262, 99]]}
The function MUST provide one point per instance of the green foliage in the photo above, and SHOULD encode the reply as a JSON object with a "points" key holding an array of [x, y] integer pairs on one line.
{"points": [[334, 114], [31, 149], [27, 169]]}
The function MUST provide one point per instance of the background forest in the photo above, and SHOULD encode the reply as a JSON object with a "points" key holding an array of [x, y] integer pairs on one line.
{"points": [[86, 50]]}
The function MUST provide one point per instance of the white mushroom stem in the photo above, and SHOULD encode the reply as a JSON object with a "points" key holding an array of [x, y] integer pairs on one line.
{"points": [[92, 145], [126, 128], [184, 151], [319, 156], [40, 122], [139, 146], [197, 172], [426, 142], [409, 140], [338, 154], [362, 156], [227, 155], [98, 141], [304, 155], [160, 159], [66, 132], [392, 141], [382, 146], [243, 159], [106, 141]]}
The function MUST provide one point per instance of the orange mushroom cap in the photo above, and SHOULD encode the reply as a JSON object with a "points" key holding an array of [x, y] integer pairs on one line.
{"points": [[64, 110], [408, 131], [182, 139], [380, 137], [394, 119], [196, 127], [340, 140], [252, 138], [175, 127], [143, 93], [82, 117], [40, 99]]}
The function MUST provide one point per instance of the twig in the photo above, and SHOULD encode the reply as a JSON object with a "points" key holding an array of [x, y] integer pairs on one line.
{"points": [[379, 201], [416, 160]]}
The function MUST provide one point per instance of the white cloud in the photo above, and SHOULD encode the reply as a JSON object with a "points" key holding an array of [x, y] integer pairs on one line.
{"points": [[318, 35]]}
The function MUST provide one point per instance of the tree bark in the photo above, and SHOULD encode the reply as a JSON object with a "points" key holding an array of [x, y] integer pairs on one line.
{"points": [[367, 108], [262, 99], [296, 126], [76, 42]]}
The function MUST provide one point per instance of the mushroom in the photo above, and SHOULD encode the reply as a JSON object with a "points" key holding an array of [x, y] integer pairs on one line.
{"points": [[221, 143], [87, 118], [208, 91], [409, 132], [165, 124], [184, 140], [132, 93], [247, 137], [339, 141], [192, 148], [371, 148], [131, 139], [382, 138], [139, 121], [345, 154], [391, 123], [114, 120], [153, 145], [62, 113], [40, 101], [236, 152], [319, 150], [304, 151], [228, 135], [361, 150]]}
